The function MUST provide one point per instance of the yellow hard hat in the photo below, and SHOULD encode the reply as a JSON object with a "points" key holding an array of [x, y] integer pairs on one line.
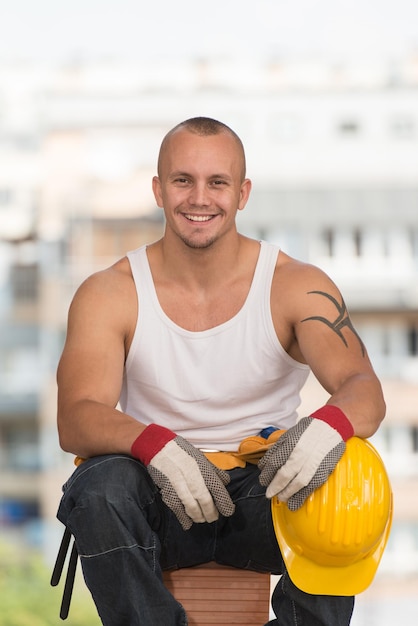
{"points": [[333, 544]]}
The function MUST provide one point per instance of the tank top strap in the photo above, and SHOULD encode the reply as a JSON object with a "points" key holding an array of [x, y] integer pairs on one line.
{"points": [[142, 275], [263, 275]]}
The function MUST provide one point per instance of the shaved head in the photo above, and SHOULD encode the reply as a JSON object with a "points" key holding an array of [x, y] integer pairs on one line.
{"points": [[204, 127]]}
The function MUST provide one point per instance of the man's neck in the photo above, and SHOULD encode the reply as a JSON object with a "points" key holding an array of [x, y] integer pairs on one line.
{"points": [[197, 268], [206, 291]]}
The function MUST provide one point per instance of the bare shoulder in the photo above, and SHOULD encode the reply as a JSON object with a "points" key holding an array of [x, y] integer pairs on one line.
{"points": [[107, 297], [296, 279], [110, 282]]}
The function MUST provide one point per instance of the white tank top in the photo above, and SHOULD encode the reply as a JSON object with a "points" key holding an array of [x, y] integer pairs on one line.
{"points": [[217, 386]]}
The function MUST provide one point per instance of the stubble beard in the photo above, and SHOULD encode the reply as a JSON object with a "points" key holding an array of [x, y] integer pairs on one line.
{"points": [[198, 244]]}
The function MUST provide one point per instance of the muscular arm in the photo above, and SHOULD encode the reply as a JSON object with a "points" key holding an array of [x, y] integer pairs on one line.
{"points": [[323, 336], [101, 320]]}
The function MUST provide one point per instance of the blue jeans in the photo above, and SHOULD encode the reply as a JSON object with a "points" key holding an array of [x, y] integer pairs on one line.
{"points": [[126, 536]]}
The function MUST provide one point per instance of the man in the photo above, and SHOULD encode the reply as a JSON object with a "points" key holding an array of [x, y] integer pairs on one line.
{"points": [[204, 337]]}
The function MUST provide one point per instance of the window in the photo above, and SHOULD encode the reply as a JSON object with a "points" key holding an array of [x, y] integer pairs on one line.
{"points": [[5, 196], [386, 351], [415, 439], [15, 512], [22, 448], [413, 341], [358, 241], [329, 240], [403, 127], [349, 127], [24, 279], [413, 235]]}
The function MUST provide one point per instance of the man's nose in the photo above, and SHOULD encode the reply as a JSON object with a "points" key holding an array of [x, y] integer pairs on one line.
{"points": [[199, 195]]}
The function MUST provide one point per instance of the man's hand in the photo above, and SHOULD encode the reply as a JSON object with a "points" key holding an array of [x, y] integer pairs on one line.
{"points": [[304, 456], [191, 486]]}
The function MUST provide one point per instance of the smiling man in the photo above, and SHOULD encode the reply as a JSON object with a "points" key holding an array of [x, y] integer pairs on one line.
{"points": [[204, 338], [201, 179]]}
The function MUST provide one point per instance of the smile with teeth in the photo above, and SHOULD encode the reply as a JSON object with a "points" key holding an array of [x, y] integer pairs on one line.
{"points": [[199, 218]]}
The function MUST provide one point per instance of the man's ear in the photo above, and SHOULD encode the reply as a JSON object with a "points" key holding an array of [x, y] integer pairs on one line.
{"points": [[156, 188], [244, 193]]}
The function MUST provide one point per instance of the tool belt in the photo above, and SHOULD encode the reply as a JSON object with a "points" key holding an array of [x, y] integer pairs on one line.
{"points": [[250, 450]]}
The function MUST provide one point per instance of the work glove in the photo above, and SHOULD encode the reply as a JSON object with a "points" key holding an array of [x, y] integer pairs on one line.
{"points": [[304, 456], [192, 487]]}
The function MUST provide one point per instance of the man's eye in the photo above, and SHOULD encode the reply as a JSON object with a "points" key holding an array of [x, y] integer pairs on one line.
{"points": [[219, 182]]}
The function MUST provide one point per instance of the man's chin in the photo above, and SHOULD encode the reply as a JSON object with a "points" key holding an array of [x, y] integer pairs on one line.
{"points": [[197, 243]]}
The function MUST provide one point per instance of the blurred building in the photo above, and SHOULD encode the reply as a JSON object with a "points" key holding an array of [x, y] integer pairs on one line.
{"points": [[333, 154]]}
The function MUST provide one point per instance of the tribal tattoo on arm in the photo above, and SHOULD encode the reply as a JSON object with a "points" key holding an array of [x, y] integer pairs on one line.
{"points": [[341, 321]]}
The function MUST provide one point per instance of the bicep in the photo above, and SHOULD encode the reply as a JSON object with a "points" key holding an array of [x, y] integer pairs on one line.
{"points": [[91, 365], [326, 336]]}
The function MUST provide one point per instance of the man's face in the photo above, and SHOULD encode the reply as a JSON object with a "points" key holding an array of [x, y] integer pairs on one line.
{"points": [[201, 186]]}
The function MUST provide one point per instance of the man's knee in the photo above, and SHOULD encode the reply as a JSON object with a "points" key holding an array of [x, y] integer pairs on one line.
{"points": [[111, 481], [108, 502]]}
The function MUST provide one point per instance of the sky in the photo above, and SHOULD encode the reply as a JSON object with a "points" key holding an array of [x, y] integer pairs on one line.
{"points": [[339, 30]]}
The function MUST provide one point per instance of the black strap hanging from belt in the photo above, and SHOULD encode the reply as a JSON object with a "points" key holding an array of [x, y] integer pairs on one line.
{"points": [[57, 571]]}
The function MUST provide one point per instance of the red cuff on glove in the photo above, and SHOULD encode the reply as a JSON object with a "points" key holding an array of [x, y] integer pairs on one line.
{"points": [[150, 442], [335, 418]]}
